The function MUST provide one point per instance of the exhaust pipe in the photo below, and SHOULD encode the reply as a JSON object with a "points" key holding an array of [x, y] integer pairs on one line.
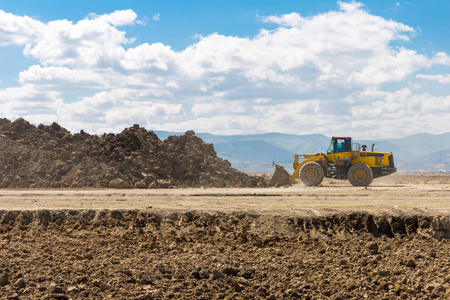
{"points": [[373, 145]]}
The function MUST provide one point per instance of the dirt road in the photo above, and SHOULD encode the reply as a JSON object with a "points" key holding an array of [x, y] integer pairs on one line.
{"points": [[414, 193]]}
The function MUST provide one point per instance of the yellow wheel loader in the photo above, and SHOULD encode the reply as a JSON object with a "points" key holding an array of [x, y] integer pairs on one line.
{"points": [[343, 160]]}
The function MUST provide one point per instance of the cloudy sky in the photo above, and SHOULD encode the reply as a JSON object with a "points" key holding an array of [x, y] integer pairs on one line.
{"points": [[370, 69]]}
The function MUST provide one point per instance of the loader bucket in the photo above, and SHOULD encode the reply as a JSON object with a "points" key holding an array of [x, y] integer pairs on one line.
{"points": [[280, 177]]}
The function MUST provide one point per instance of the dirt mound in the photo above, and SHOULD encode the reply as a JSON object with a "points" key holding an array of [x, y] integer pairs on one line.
{"points": [[50, 156], [139, 254], [280, 177]]}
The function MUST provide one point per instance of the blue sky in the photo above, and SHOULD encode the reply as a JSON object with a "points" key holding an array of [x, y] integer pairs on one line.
{"points": [[368, 69], [182, 19]]}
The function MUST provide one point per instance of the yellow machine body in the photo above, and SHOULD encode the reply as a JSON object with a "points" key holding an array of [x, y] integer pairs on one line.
{"points": [[339, 159]]}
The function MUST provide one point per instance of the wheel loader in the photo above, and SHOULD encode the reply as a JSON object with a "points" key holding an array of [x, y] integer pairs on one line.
{"points": [[343, 160]]}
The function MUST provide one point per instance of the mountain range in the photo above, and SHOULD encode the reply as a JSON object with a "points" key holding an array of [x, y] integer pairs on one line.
{"points": [[256, 152]]}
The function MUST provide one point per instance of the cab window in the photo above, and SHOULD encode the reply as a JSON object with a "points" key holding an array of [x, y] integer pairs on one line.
{"points": [[342, 145]]}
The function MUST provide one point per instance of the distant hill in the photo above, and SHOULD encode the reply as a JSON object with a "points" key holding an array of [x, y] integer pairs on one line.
{"points": [[255, 152], [422, 144]]}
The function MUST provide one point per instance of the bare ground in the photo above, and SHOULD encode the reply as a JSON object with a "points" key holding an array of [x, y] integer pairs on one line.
{"points": [[414, 193], [389, 241]]}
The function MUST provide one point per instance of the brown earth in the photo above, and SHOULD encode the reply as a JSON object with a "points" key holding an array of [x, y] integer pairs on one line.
{"points": [[387, 241], [136, 254], [52, 157], [79, 240]]}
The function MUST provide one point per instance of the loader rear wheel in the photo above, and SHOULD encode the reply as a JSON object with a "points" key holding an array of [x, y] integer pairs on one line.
{"points": [[360, 174], [311, 174]]}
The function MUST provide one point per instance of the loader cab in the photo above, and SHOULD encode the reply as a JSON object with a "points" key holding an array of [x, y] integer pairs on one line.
{"points": [[340, 144]]}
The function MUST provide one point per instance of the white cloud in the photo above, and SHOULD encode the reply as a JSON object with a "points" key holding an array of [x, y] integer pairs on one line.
{"points": [[145, 56], [17, 30], [219, 124], [401, 113], [62, 78], [391, 67], [441, 58], [120, 107], [117, 18], [93, 42], [220, 108], [292, 19], [324, 73], [156, 17], [444, 79]]}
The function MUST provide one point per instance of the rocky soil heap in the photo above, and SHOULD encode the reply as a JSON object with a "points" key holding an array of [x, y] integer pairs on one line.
{"points": [[52, 157]]}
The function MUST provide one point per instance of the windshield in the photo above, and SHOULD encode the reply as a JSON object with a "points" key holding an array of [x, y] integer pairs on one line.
{"points": [[331, 148]]}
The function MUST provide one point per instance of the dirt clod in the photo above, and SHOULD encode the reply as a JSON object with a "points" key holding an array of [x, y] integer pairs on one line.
{"points": [[4, 279], [372, 248], [411, 263]]}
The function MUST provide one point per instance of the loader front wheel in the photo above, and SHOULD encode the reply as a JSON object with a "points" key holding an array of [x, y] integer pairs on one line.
{"points": [[311, 174], [360, 175]]}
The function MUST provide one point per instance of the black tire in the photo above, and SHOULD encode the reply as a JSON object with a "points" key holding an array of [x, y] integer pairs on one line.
{"points": [[311, 174], [360, 174]]}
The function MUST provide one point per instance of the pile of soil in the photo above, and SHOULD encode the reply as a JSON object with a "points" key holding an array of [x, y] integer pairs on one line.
{"points": [[50, 156], [139, 254]]}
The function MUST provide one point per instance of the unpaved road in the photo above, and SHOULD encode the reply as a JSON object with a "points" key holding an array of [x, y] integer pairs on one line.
{"points": [[414, 193]]}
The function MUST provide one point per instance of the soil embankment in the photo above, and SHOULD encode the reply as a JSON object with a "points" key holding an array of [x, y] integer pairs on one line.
{"points": [[140, 254]]}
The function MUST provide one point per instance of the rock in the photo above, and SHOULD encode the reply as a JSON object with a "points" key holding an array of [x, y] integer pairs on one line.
{"points": [[230, 271], [140, 184], [73, 289], [164, 184], [41, 287], [383, 273], [117, 183], [56, 289], [4, 279], [216, 274], [270, 239], [154, 246], [430, 288], [237, 287], [144, 297], [372, 247], [433, 253], [203, 274], [59, 296], [153, 185], [190, 133], [145, 278], [96, 282], [411, 263], [20, 283], [386, 247], [195, 274]]}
